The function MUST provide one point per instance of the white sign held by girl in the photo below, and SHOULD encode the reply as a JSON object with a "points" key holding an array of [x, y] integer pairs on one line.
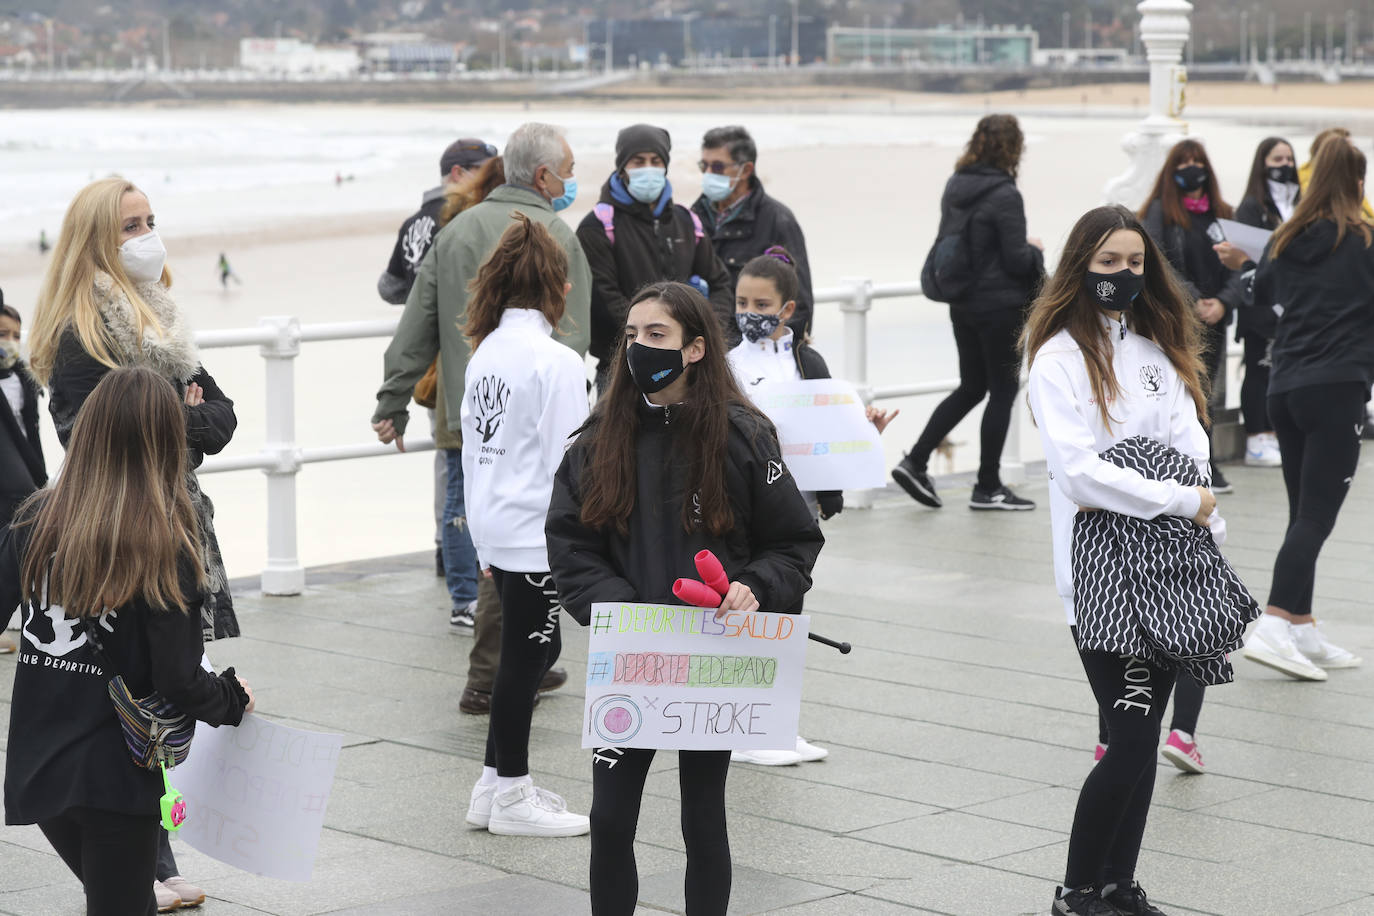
{"points": [[827, 439]]}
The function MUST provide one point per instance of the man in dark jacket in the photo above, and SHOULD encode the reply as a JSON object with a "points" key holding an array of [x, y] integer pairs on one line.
{"points": [[742, 220], [636, 235]]}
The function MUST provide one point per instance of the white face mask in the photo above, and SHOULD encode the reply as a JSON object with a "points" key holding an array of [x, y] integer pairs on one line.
{"points": [[143, 257]]}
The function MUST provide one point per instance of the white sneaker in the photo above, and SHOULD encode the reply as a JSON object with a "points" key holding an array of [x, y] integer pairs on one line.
{"points": [[524, 810], [1262, 451], [1271, 643], [767, 758], [1310, 642], [167, 899], [479, 809], [810, 752]]}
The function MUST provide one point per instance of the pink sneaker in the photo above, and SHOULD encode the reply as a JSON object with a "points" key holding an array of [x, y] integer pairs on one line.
{"points": [[1098, 754], [1181, 751]]}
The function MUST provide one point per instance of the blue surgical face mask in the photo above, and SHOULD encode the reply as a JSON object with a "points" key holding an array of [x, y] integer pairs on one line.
{"points": [[646, 184], [565, 200], [717, 187]]}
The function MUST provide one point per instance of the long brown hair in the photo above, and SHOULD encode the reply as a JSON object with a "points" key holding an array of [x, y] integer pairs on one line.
{"points": [[118, 519], [1163, 311], [473, 189], [997, 141], [1170, 195], [1257, 186], [1333, 192], [526, 270], [701, 432], [1331, 133]]}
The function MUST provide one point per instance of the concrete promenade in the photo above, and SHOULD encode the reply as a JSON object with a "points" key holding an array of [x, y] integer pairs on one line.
{"points": [[959, 729]]}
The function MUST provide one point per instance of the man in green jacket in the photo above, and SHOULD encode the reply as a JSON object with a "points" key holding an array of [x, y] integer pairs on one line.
{"points": [[539, 181]]}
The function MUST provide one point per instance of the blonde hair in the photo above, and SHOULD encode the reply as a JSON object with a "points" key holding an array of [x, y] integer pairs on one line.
{"points": [[87, 246], [119, 519]]}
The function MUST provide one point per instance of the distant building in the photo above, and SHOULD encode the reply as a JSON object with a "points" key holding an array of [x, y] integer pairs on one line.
{"points": [[678, 40], [291, 57], [407, 52], [947, 46], [1081, 57]]}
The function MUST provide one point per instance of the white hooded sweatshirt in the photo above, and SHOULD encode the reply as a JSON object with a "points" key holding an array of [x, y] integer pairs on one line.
{"points": [[1153, 402], [524, 394]]}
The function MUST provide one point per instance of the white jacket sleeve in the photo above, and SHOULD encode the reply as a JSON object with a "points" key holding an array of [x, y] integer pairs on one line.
{"points": [[1187, 434], [1072, 456], [563, 408]]}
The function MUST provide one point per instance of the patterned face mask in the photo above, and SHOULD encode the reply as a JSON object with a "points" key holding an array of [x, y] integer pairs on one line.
{"points": [[756, 326], [9, 354]]}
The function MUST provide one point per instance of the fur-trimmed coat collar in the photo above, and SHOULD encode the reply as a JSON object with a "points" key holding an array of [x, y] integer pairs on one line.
{"points": [[173, 354]]}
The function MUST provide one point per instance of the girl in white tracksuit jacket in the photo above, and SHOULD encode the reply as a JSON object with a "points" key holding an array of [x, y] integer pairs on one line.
{"points": [[1113, 350], [524, 395]]}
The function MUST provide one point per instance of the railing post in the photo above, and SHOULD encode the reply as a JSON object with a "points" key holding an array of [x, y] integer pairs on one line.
{"points": [[855, 307], [284, 574]]}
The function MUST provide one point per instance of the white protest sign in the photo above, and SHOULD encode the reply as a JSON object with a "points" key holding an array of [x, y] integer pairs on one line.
{"points": [[256, 795], [827, 440], [1248, 239], [675, 678]]}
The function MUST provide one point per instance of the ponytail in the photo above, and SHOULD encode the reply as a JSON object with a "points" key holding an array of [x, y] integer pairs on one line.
{"points": [[527, 269]]}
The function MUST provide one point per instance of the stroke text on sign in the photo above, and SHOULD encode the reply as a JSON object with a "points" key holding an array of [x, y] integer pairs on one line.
{"points": [[680, 669]]}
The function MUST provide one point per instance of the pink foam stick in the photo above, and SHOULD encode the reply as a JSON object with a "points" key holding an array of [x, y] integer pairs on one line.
{"points": [[712, 573], [697, 594]]}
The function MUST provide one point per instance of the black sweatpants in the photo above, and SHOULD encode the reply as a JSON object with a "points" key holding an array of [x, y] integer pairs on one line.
{"points": [[989, 365], [1318, 429], [1254, 388], [1109, 824], [531, 640], [113, 855], [617, 785]]}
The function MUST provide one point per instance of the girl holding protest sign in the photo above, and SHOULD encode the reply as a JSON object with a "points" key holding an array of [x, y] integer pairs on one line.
{"points": [[769, 351], [673, 460], [111, 547], [1114, 347], [524, 394]]}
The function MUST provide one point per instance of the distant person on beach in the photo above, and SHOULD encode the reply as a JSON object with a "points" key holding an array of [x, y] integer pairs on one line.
{"points": [[105, 304], [636, 235], [43, 245], [1305, 172], [1006, 267], [226, 271], [21, 452], [742, 219]]}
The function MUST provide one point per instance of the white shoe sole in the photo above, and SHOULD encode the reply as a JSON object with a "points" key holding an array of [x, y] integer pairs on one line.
{"points": [[1351, 662], [1308, 672], [780, 761], [478, 820], [520, 828], [1004, 507], [1262, 463], [1181, 760]]}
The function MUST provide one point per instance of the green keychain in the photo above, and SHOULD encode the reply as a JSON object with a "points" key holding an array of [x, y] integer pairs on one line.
{"points": [[173, 805]]}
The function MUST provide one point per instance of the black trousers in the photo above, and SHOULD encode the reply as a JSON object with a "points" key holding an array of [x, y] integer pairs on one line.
{"points": [[113, 855], [1318, 429], [989, 366], [531, 641], [1109, 823], [617, 787], [1254, 388]]}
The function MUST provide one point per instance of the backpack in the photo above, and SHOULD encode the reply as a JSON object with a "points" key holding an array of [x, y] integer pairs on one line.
{"points": [[949, 272]]}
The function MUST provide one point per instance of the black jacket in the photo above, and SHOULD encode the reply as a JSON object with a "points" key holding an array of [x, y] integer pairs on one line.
{"points": [[412, 244], [761, 223], [21, 452], [1262, 214], [66, 748], [647, 249], [1325, 334], [1009, 269], [771, 548], [1189, 250]]}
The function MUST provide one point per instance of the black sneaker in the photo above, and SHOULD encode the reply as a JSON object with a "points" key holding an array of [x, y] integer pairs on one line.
{"points": [[917, 483], [439, 562], [1082, 902], [1130, 900], [463, 619], [1000, 498], [1219, 482]]}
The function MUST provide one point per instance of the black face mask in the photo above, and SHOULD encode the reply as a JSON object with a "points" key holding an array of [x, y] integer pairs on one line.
{"points": [[653, 368], [1115, 292], [1282, 174], [1191, 177]]}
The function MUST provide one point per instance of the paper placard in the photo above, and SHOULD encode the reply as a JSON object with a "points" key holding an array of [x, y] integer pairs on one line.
{"points": [[827, 440], [675, 678], [1248, 239], [256, 795]]}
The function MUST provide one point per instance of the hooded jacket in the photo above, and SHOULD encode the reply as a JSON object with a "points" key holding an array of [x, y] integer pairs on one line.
{"points": [[21, 453], [1323, 294], [759, 223], [1009, 269], [652, 244], [771, 548]]}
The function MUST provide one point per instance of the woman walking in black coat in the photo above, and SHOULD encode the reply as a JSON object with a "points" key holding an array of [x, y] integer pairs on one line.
{"points": [[1007, 268], [21, 454]]}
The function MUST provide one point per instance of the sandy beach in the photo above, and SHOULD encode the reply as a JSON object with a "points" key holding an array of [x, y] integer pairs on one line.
{"points": [[863, 174]]}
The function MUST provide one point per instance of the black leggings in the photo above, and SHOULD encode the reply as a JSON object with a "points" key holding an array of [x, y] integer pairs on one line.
{"points": [[1109, 823], [113, 855], [617, 786], [1214, 361], [1188, 695], [1254, 387], [989, 364], [531, 640], [1319, 429]]}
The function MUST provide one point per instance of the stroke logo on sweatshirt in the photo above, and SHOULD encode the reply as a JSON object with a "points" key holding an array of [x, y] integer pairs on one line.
{"points": [[490, 395], [1152, 379]]}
